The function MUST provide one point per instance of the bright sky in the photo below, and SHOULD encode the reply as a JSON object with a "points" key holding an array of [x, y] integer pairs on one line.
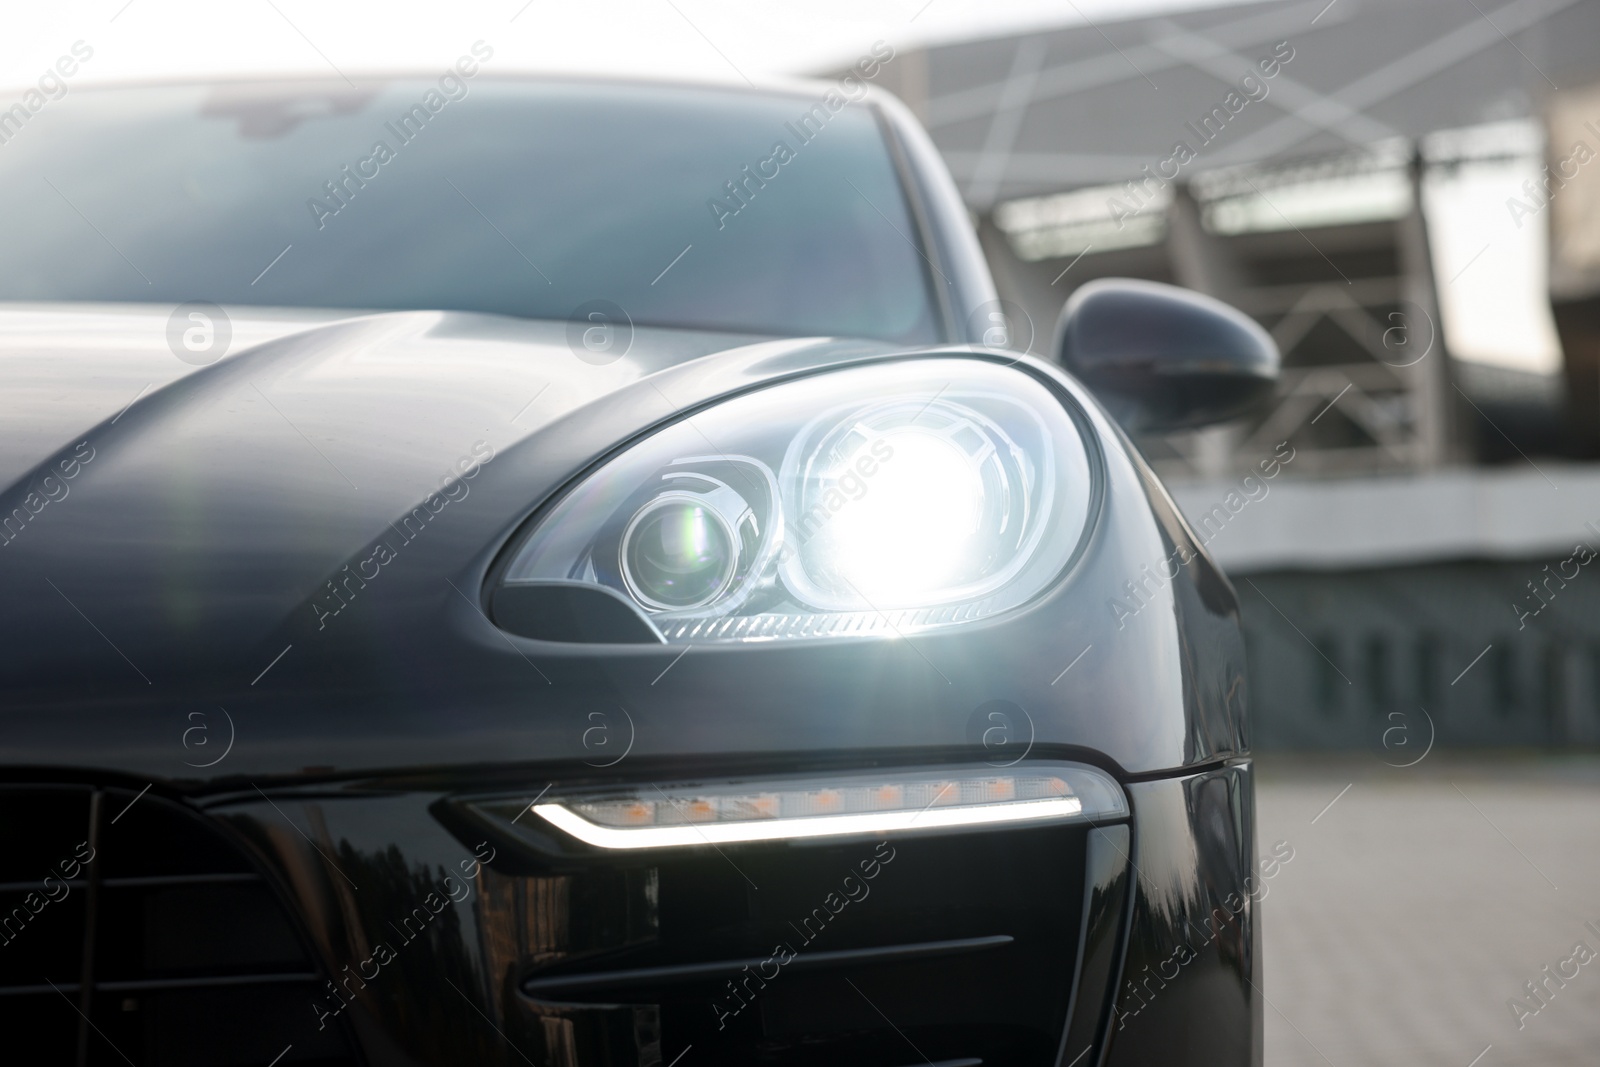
{"points": [[717, 38], [1492, 274]]}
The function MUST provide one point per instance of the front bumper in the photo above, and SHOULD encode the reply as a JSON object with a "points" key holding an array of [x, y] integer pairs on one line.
{"points": [[1052, 945]]}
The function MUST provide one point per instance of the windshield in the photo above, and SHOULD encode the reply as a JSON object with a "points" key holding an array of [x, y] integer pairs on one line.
{"points": [[742, 211]]}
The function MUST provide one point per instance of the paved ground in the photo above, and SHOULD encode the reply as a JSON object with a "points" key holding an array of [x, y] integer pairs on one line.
{"points": [[1420, 902]]}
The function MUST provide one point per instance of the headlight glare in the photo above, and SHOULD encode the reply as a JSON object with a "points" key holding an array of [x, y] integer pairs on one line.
{"points": [[939, 520]]}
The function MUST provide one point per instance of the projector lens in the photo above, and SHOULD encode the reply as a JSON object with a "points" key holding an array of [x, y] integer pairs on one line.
{"points": [[677, 553]]}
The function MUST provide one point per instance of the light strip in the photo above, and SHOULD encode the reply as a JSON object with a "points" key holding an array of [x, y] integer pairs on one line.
{"points": [[723, 833]]}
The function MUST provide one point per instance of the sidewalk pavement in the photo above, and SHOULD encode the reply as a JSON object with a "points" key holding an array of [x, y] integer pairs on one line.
{"points": [[1421, 901]]}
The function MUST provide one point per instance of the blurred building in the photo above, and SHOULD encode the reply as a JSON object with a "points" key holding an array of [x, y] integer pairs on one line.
{"points": [[1406, 194]]}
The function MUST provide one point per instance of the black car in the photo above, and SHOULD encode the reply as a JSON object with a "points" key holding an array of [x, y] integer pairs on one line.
{"points": [[555, 571]]}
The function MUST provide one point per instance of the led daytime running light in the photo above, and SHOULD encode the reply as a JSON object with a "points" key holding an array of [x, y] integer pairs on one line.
{"points": [[687, 816]]}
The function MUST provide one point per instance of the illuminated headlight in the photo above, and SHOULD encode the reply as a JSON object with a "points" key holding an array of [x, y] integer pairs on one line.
{"points": [[940, 520], [883, 499], [863, 803]]}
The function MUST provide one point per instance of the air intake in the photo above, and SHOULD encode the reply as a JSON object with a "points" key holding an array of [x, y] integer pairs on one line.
{"points": [[133, 932]]}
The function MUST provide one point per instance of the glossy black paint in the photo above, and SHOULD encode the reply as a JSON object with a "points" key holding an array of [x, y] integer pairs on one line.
{"points": [[150, 915], [1193, 961], [1101, 943], [567, 950], [182, 574], [1164, 358]]}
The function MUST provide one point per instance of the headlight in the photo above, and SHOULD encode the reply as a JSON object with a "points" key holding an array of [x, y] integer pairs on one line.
{"points": [[883, 499]]}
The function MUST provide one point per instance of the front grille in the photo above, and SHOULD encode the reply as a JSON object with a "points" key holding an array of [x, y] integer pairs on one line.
{"points": [[133, 932], [961, 950]]}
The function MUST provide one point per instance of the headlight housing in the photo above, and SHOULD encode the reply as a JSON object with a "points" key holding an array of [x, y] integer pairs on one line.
{"points": [[889, 498]]}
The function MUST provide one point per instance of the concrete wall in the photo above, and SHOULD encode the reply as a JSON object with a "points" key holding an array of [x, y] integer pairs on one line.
{"points": [[1382, 659]]}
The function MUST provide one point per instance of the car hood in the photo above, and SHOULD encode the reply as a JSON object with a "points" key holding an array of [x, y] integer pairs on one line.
{"points": [[186, 512], [69, 369]]}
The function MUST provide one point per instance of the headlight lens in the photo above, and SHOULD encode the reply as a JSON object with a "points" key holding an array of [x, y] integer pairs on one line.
{"points": [[939, 521], [883, 499], [679, 551]]}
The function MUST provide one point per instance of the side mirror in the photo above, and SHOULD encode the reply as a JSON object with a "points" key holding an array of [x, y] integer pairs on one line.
{"points": [[1163, 358]]}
